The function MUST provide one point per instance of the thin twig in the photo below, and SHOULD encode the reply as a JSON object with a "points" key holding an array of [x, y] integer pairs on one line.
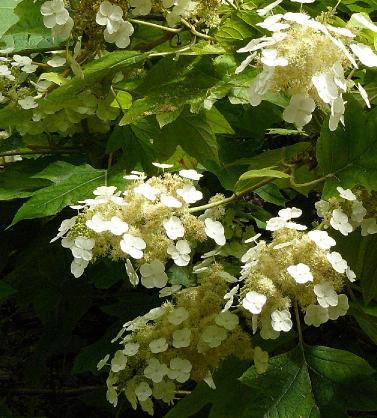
{"points": [[197, 33], [155, 25]]}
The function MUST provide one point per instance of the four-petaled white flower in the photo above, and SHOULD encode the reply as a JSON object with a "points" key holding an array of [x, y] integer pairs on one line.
{"points": [[148, 191], [326, 294], [5, 72], [254, 302], [116, 226], [143, 391], [25, 63], [170, 201], [155, 370], [163, 166], [337, 262], [78, 266], [97, 223], [141, 7], [316, 315], [178, 316], [340, 309], [121, 37], [358, 211], [168, 291], [322, 207], [190, 174], [301, 273], [130, 349], [27, 103], [189, 194], [281, 320], [368, 227], [351, 276], [339, 221], [174, 228], [182, 338], [118, 362], [109, 15], [133, 246], [227, 320], [82, 248], [300, 109], [179, 252], [260, 360], [290, 213], [322, 239], [270, 57], [65, 226], [214, 335], [346, 194], [179, 369], [153, 274], [165, 391], [54, 13], [365, 54], [215, 230], [229, 297], [158, 346]]}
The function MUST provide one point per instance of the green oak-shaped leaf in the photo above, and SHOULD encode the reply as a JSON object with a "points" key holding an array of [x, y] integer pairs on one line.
{"points": [[310, 382]]}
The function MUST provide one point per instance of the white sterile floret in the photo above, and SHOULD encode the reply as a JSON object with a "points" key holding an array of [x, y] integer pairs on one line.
{"points": [[351, 276], [270, 57], [170, 201], [5, 72], [215, 230], [190, 174], [133, 246], [267, 9], [62, 31], [105, 191], [301, 273], [368, 227], [300, 109], [363, 94], [143, 391], [227, 320], [178, 316], [189, 194], [54, 13], [155, 370], [179, 370], [322, 207], [165, 391], [103, 362], [180, 252], [83, 248], [365, 54], [163, 166], [27, 103], [168, 291], [339, 221], [214, 335], [273, 23], [121, 37], [254, 302], [155, 313], [316, 315], [174, 228], [148, 191], [326, 88], [130, 349], [78, 266], [109, 15], [118, 362], [267, 332], [260, 360], [65, 226], [346, 194], [25, 63], [326, 294], [116, 226], [182, 338], [281, 320], [358, 211], [340, 309], [276, 223], [289, 213], [229, 297], [153, 274], [322, 239], [56, 61], [158, 346], [260, 86], [337, 262], [131, 273], [97, 224], [141, 7], [337, 113]]}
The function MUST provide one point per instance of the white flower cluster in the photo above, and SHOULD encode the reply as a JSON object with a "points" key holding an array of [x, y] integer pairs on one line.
{"points": [[296, 267], [306, 59], [172, 344], [56, 17], [117, 30], [179, 9], [149, 223], [346, 212]]}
